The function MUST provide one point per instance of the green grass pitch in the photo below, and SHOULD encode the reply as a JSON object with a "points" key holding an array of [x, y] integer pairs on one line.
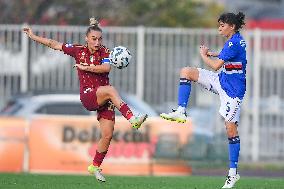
{"points": [[41, 181]]}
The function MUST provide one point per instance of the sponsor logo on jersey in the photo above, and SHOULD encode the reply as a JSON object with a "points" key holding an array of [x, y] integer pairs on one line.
{"points": [[243, 43]]}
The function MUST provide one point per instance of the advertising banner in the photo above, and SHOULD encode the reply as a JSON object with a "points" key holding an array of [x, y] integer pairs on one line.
{"points": [[12, 144], [68, 144]]}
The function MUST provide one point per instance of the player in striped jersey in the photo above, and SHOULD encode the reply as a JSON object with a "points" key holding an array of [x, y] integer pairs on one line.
{"points": [[229, 84]]}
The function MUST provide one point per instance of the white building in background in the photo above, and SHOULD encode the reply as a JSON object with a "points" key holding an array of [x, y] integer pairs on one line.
{"points": [[257, 9]]}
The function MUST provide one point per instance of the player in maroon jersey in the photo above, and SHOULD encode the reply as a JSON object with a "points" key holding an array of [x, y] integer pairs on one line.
{"points": [[96, 94]]}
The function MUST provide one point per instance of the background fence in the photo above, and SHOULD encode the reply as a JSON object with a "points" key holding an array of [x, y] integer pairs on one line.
{"points": [[158, 55]]}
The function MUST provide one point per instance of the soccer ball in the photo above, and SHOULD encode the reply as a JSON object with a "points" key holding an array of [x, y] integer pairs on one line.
{"points": [[120, 57]]}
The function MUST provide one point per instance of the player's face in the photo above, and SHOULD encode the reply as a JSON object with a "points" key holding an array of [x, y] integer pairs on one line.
{"points": [[94, 40], [225, 29]]}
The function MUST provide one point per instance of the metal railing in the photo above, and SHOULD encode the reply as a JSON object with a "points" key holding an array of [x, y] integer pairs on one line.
{"points": [[153, 75]]}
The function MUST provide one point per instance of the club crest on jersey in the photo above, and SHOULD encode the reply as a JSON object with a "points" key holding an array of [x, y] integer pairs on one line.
{"points": [[230, 44], [68, 45], [82, 56]]}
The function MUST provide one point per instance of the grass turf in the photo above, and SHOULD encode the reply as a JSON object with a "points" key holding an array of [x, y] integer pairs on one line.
{"points": [[41, 181]]}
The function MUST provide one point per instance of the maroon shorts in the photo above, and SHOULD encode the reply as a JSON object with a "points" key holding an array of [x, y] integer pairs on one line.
{"points": [[89, 101]]}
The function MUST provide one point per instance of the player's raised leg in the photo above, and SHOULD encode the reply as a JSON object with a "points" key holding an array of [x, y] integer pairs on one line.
{"points": [[107, 127], [234, 149], [187, 75], [105, 93]]}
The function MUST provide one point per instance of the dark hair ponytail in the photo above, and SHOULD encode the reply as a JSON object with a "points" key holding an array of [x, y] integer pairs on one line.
{"points": [[240, 20], [94, 25], [233, 19]]}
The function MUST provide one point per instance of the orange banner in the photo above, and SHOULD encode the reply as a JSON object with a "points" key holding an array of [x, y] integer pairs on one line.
{"points": [[12, 144], [68, 144]]}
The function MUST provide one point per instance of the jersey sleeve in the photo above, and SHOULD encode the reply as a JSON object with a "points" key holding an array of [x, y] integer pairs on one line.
{"points": [[70, 49], [229, 51], [105, 55]]}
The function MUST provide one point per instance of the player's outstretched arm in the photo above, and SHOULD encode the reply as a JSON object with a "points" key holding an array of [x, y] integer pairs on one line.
{"points": [[45, 41]]}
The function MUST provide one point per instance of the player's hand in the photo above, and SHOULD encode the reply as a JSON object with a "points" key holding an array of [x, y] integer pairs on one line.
{"points": [[28, 31], [81, 63], [203, 50], [82, 66], [79, 66], [214, 54]]}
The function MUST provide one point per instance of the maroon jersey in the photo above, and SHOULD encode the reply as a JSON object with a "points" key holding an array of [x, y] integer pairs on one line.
{"points": [[83, 55]]}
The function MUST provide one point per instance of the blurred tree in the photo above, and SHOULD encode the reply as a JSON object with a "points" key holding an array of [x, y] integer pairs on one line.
{"points": [[183, 13], [160, 13]]}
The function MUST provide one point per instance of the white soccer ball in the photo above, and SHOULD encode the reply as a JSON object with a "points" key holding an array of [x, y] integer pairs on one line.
{"points": [[120, 57]]}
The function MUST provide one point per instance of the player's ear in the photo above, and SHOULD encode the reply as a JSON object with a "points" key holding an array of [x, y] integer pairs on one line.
{"points": [[233, 26], [86, 39]]}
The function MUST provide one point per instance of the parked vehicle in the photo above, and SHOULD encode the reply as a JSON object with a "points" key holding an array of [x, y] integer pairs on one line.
{"points": [[63, 104]]}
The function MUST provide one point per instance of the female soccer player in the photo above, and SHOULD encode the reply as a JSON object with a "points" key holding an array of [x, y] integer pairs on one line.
{"points": [[93, 66], [229, 84]]}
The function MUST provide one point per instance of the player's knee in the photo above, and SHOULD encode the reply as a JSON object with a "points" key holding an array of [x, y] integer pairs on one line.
{"points": [[187, 72], [110, 91], [184, 72]]}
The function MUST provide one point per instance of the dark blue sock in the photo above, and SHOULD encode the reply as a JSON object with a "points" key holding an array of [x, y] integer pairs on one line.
{"points": [[234, 150], [184, 92]]}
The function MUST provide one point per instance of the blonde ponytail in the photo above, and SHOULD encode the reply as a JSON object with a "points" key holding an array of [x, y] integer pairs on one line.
{"points": [[94, 26], [93, 22]]}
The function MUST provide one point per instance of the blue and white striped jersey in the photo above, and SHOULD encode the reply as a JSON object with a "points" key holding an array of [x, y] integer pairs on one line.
{"points": [[233, 75]]}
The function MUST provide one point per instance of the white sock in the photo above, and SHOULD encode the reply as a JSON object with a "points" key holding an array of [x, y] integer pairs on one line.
{"points": [[181, 109], [132, 119], [232, 171]]}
